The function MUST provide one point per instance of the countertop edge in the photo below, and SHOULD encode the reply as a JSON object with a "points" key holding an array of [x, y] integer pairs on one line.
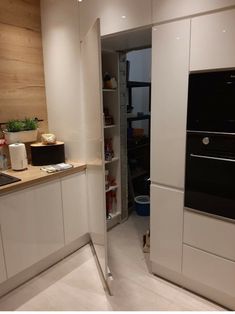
{"points": [[21, 185]]}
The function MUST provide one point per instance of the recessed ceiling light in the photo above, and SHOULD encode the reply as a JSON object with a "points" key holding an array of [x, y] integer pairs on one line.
{"points": [[123, 16]]}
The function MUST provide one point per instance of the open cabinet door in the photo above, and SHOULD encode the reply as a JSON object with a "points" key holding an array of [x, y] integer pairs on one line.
{"points": [[93, 112]]}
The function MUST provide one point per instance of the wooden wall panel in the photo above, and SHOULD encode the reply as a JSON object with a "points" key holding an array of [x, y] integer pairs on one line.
{"points": [[22, 86]]}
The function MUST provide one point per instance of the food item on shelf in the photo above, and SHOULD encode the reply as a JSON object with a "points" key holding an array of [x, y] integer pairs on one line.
{"points": [[109, 82], [108, 119], [108, 149]]}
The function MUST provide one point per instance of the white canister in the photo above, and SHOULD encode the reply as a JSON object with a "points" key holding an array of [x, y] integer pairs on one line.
{"points": [[18, 156]]}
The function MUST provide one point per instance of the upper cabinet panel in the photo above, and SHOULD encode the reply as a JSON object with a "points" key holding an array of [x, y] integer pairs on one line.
{"points": [[212, 44], [115, 15], [164, 10]]}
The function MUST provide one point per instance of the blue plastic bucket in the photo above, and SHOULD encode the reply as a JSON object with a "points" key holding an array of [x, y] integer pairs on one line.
{"points": [[142, 205]]}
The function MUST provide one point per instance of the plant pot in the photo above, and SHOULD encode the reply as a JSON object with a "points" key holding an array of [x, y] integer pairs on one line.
{"points": [[21, 137]]}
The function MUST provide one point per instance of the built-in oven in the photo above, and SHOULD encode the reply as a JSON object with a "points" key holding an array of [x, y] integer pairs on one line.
{"points": [[210, 174], [210, 149]]}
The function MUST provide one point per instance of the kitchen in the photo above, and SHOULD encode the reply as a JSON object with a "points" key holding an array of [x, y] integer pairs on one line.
{"points": [[73, 89]]}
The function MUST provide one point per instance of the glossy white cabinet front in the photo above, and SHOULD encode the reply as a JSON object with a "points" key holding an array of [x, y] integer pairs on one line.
{"points": [[170, 68], [32, 225], [115, 15], [213, 44], [166, 227], [164, 10], [74, 206]]}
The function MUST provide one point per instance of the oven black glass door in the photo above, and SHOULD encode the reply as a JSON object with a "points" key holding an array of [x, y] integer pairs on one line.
{"points": [[210, 184]]}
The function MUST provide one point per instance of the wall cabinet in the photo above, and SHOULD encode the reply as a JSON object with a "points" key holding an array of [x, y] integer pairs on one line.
{"points": [[74, 206], [115, 16], [164, 10], [32, 225], [212, 44], [166, 227], [170, 67]]}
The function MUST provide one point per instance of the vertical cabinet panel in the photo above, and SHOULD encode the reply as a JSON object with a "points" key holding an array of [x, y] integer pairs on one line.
{"points": [[3, 274], [170, 67], [32, 225], [74, 206], [94, 134], [115, 16], [166, 227], [213, 45]]}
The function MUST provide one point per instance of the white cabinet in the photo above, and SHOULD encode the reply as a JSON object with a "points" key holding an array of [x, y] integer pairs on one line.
{"points": [[170, 68], [115, 16], [166, 227], [212, 276], [3, 274], [32, 225], [164, 10], [210, 234], [212, 44], [74, 206]]}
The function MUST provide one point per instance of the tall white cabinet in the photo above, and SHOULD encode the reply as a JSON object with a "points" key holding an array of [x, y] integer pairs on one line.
{"points": [[170, 67]]}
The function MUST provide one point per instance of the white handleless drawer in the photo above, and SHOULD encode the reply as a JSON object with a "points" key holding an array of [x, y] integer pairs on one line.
{"points": [[210, 270], [210, 234]]}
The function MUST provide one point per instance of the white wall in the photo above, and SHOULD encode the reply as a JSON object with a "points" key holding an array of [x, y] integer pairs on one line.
{"points": [[141, 12], [137, 13], [61, 48]]}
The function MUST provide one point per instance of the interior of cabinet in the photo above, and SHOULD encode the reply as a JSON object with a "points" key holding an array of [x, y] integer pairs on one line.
{"points": [[111, 124]]}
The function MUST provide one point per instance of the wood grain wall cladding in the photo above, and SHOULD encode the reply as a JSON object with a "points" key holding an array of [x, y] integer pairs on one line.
{"points": [[21, 13], [22, 85]]}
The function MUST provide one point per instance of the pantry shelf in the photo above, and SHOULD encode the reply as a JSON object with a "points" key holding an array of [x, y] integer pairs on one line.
{"points": [[109, 90], [112, 188], [113, 220], [109, 126], [113, 160]]}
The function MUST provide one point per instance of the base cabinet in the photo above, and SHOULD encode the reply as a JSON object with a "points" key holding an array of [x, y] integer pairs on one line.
{"points": [[74, 206], [32, 225], [210, 275], [3, 274], [166, 227]]}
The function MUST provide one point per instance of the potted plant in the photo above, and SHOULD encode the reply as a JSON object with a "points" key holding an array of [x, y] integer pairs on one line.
{"points": [[23, 131]]}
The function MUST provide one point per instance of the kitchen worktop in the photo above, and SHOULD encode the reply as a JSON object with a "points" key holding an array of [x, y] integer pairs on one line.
{"points": [[34, 175]]}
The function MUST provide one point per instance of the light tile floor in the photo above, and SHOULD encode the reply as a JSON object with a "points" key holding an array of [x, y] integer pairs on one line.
{"points": [[74, 283]]}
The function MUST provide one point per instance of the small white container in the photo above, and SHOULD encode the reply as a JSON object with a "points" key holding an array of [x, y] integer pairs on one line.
{"points": [[18, 156], [21, 137]]}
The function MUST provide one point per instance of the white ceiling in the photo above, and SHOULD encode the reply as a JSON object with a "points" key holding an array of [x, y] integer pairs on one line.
{"points": [[127, 41]]}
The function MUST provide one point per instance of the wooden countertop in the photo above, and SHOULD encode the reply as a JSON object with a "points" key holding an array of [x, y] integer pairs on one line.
{"points": [[34, 175]]}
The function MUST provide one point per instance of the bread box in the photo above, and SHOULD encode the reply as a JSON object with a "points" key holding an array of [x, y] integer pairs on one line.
{"points": [[43, 154]]}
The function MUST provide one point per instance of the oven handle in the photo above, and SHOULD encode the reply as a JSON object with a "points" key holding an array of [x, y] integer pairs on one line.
{"points": [[212, 158]]}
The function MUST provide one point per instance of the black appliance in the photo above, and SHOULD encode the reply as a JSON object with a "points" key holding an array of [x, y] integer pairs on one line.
{"points": [[210, 174], [210, 149], [211, 102]]}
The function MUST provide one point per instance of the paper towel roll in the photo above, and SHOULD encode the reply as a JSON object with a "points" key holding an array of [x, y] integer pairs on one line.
{"points": [[18, 156]]}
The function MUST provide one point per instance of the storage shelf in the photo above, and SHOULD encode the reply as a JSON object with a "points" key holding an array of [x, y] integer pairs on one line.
{"points": [[109, 126], [114, 220], [113, 160], [109, 90], [112, 188], [139, 118]]}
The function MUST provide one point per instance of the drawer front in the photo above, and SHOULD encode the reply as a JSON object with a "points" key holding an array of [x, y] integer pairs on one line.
{"points": [[210, 234], [209, 270]]}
